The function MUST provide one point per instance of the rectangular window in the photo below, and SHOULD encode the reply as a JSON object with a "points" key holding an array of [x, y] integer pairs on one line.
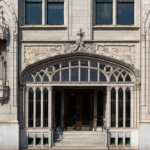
{"points": [[104, 12], [120, 141], [45, 141], [33, 12], [38, 141], [30, 141], [112, 141], [55, 12], [127, 141], [125, 12]]}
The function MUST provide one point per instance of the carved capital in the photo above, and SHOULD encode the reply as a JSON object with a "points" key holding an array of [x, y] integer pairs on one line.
{"points": [[143, 37], [108, 88], [15, 37]]}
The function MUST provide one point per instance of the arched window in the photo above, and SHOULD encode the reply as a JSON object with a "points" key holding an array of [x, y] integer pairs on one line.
{"points": [[120, 107], [128, 79], [128, 97], [38, 79], [30, 105], [30, 78], [99, 108], [38, 107], [120, 79], [58, 109], [45, 79], [113, 107], [45, 107], [112, 78]]}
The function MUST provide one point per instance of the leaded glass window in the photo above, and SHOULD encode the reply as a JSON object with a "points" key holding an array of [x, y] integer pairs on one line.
{"points": [[84, 74], [128, 98], [38, 107], [38, 79], [45, 79], [30, 78], [113, 107], [120, 79], [102, 77], [45, 107], [93, 75], [33, 12], [104, 12], [120, 107], [74, 74], [125, 12], [128, 79], [112, 78], [74, 63], [55, 12], [30, 105], [56, 76], [84, 63], [65, 75]]}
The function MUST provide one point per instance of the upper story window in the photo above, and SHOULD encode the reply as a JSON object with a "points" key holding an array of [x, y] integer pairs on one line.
{"points": [[33, 11], [55, 12], [125, 12], [103, 11]]}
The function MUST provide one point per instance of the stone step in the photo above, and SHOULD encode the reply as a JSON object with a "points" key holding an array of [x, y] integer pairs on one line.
{"points": [[79, 136], [66, 144], [79, 140], [80, 147], [79, 133]]}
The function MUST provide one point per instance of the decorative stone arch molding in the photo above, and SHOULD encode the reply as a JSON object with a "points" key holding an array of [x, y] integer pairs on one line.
{"points": [[135, 72], [10, 33]]}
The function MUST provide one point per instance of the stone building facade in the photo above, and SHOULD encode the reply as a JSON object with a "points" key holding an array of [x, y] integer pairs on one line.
{"points": [[69, 68]]}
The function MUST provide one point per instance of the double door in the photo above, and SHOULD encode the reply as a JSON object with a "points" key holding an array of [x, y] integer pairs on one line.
{"points": [[79, 109]]}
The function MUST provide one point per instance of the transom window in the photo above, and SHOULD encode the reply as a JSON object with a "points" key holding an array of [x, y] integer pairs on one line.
{"points": [[80, 71]]}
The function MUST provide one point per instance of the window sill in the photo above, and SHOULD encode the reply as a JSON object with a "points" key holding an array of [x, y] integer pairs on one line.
{"points": [[115, 27], [43, 27]]}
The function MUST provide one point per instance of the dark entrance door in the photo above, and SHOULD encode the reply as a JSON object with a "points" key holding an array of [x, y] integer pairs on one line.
{"points": [[79, 109]]}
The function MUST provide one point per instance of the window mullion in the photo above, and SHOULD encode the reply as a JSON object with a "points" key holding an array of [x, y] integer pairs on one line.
{"points": [[117, 100], [34, 110], [124, 107], [44, 6], [114, 12], [41, 107]]}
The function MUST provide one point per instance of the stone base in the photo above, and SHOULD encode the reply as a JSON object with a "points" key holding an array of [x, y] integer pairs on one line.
{"points": [[144, 136], [9, 135]]}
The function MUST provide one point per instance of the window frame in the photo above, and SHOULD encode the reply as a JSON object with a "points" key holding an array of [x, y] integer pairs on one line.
{"points": [[96, 13], [25, 2]]}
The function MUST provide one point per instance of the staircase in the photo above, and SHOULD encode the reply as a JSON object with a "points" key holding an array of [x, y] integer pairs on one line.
{"points": [[79, 140]]}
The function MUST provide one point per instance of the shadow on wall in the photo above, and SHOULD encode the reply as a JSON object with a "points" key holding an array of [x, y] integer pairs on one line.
{"points": [[23, 139]]}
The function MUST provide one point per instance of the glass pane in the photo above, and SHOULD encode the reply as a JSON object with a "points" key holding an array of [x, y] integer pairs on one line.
{"points": [[55, 13], [127, 141], [38, 107], [65, 75], [116, 73], [102, 77], [30, 115], [30, 78], [45, 141], [113, 108], [128, 97], [99, 108], [41, 73], [56, 66], [120, 108], [72, 109], [65, 64], [84, 74], [128, 79], [84, 63], [93, 75], [103, 13], [93, 64], [74, 74], [56, 76], [112, 78], [120, 79], [124, 73], [120, 141], [38, 141], [125, 12], [30, 141], [38, 79], [112, 141], [45, 79], [86, 109], [75, 63], [33, 13], [58, 109], [102, 66], [45, 107]]}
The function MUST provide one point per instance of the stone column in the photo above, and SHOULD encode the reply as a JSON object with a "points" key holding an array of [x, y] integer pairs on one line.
{"points": [[117, 107], [138, 105], [108, 107], [41, 107], [44, 12], [50, 109], [34, 109], [24, 104], [132, 106], [95, 110], [124, 107], [135, 98], [1, 70]]}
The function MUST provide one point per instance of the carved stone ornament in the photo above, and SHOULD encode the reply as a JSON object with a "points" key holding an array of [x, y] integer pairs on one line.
{"points": [[3, 27], [3, 93]]}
